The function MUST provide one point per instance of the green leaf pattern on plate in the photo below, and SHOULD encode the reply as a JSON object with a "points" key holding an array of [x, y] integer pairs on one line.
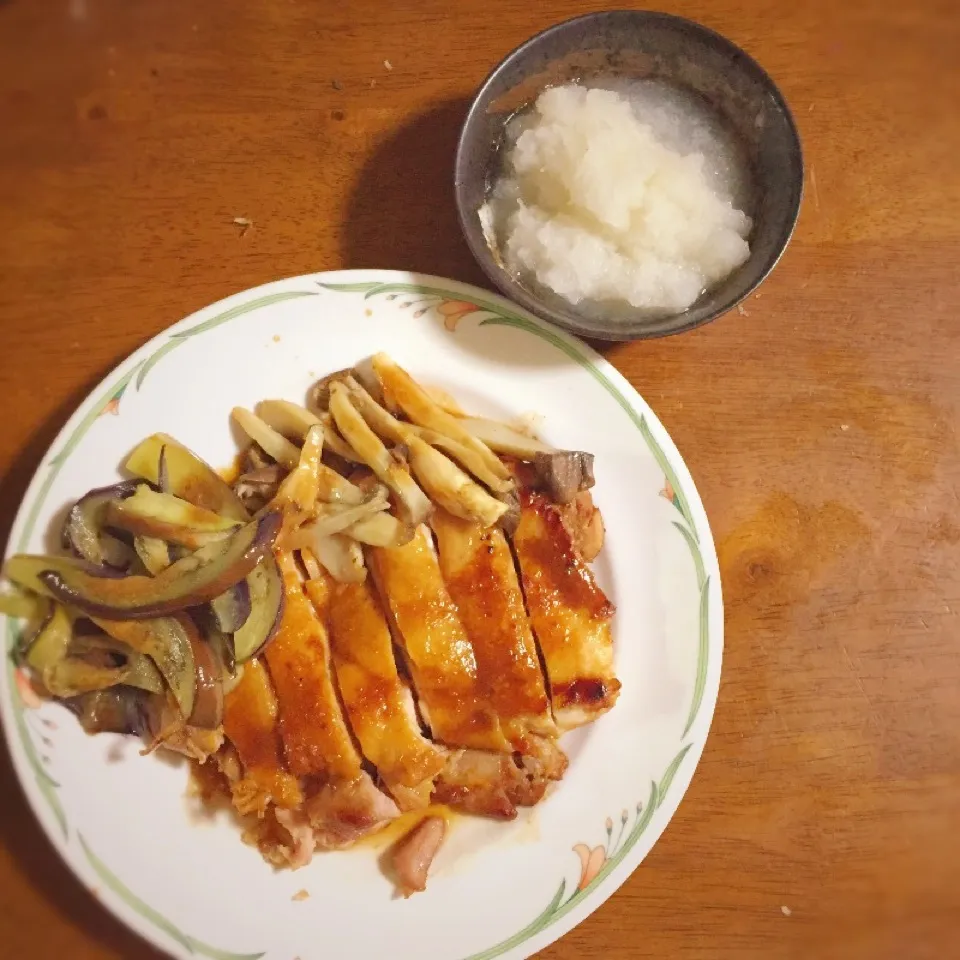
{"points": [[191, 944], [596, 864]]}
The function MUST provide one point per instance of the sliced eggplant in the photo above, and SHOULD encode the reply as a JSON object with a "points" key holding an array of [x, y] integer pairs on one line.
{"points": [[165, 517], [163, 473], [266, 610], [168, 642], [100, 650], [24, 569], [22, 605], [83, 530], [222, 644], [207, 713], [196, 579], [117, 710], [232, 607], [51, 642], [186, 476], [154, 554], [73, 676]]}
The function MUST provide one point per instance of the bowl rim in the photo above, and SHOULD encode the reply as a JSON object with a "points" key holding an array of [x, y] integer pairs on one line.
{"points": [[512, 289]]}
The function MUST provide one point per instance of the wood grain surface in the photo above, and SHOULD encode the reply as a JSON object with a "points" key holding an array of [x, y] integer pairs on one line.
{"points": [[820, 424]]}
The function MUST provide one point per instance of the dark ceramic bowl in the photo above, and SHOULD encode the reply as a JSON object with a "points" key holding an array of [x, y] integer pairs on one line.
{"points": [[639, 44]]}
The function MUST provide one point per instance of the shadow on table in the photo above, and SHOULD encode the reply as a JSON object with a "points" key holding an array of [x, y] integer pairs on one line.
{"points": [[402, 213]]}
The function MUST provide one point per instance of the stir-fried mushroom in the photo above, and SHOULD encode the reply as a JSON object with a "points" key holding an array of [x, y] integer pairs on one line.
{"points": [[368, 445], [292, 420], [258, 487], [418, 405], [253, 458], [319, 396], [274, 444], [564, 473]]}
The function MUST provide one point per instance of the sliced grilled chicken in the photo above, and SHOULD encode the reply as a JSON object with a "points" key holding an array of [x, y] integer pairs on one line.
{"points": [[379, 705], [439, 653], [489, 784], [315, 737], [250, 723], [479, 572], [343, 812], [569, 613]]}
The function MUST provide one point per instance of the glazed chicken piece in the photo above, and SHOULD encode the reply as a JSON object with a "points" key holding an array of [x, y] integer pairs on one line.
{"points": [[439, 653], [378, 703], [250, 724], [492, 784], [569, 613], [478, 568], [412, 856], [343, 812], [315, 737], [336, 816]]}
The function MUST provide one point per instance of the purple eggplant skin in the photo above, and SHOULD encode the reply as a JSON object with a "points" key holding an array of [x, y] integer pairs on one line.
{"points": [[207, 713], [118, 709], [266, 611], [163, 474], [190, 582], [26, 569], [185, 475], [83, 527], [232, 608]]}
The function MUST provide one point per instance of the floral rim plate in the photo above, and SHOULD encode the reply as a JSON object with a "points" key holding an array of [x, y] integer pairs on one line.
{"points": [[181, 878]]}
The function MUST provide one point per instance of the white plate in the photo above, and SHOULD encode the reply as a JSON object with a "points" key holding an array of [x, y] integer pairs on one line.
{"points": [[123, 823]]}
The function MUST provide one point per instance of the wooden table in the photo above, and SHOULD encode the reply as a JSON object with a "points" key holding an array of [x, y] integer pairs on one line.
{"points": [[820, 424]]}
